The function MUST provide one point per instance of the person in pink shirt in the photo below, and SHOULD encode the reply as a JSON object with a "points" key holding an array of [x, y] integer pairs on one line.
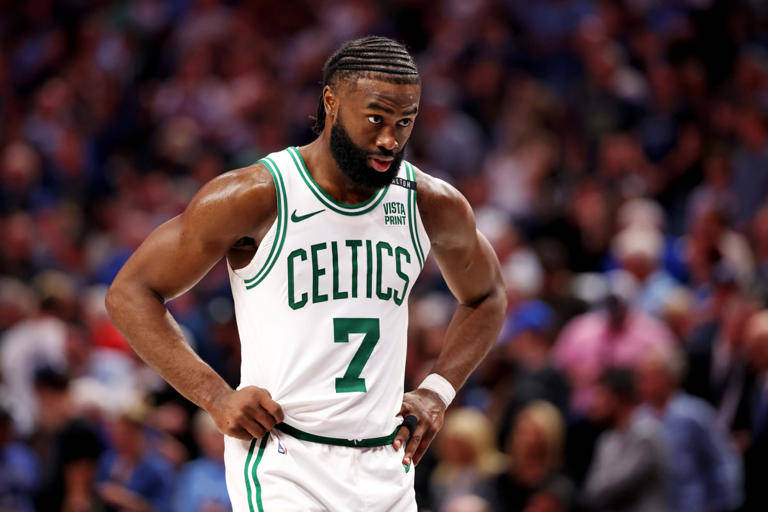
{"points": [[614, 336]]}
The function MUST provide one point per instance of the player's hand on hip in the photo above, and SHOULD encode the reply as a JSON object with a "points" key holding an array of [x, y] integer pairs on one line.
{"points": [[246, 413], [429, 411]]}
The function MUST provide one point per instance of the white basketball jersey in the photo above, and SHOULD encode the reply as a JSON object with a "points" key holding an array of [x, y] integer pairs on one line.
{"points": [[322, 308]]}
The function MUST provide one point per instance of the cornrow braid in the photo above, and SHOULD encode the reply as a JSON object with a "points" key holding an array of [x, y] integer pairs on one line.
{"points": [[381, 57]]}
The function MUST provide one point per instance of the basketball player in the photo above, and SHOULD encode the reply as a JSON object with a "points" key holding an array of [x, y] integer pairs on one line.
{"points": [[323, 245]]}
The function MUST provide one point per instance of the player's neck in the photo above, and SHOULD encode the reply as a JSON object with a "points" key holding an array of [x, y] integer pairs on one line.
{"points": [[325, 171]]}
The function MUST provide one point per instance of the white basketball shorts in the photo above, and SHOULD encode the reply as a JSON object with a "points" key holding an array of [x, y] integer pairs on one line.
{"points": [[280, 472]]}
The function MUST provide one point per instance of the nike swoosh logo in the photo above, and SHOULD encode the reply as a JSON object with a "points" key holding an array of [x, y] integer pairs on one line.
{"points": [[299, 218]]}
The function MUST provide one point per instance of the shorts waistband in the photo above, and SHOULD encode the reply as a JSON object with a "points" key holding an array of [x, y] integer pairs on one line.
{"points": [[337, 441]]}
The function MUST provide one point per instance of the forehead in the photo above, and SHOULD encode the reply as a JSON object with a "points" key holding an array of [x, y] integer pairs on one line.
{"points": [[369, 90]]}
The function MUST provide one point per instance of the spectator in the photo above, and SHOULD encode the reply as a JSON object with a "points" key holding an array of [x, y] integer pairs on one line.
{"points": [[69, 446], [525, 364], [678, 313], [27, 347], [556, 292], [467, 458], [467, 503], [717, 371], [616, 336], [749, 181], [639, 250], [201, 485], [759, 232], [711, 233], [20, 472], [627, 471], [554, 496], [129, 476], [704, 467], [535, 448], [756, 456], [647, 214], [714, 190]]}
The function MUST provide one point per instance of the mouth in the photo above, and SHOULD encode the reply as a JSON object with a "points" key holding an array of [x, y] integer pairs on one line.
{"points": [[380, 163]]}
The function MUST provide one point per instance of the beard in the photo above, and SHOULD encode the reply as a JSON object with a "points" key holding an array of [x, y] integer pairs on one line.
{"points": [[353, 160]]}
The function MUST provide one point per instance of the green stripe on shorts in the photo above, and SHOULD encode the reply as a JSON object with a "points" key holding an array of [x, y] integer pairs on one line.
{"points": [[262, 446]]}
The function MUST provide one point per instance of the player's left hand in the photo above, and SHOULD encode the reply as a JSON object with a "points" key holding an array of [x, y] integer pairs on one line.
{"points": [[430, 411]]}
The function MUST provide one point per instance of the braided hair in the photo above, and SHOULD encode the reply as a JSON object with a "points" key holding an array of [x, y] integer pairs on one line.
{"points": [[371, 56]]}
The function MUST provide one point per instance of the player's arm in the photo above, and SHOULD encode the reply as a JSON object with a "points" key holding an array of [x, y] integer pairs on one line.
{"points": [[471, 270], [172, 259]]}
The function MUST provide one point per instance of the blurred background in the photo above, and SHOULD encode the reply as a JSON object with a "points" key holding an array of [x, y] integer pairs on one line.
{"points": [[615, 153]]}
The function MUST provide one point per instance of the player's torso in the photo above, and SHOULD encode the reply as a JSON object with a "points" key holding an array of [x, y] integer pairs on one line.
{"points": [[322, 307]]}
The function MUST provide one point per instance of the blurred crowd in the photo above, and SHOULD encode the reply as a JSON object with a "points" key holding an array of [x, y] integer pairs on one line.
{"points": [[616, 155]]}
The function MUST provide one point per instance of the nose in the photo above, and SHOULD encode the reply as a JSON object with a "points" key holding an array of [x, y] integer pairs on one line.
{"points": [[386, 139]]}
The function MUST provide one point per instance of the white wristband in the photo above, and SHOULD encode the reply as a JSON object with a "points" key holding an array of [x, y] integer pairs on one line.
{"points": [[441, 386]]}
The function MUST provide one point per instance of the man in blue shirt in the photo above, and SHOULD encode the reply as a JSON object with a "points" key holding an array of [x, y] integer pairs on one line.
{"points": [[20, 473], [131, 476], [756, 455], [704, 469], [201, 485]]}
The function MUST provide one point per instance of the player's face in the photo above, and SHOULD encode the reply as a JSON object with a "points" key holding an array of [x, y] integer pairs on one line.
{"points": [[368, 139]]}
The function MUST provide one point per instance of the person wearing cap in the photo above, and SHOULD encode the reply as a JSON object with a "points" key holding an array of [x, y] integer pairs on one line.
{"points": [[639, 251], [525, 365]]}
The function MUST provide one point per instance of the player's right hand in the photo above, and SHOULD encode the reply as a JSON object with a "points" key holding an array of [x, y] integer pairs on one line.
{"points": [[246, 413]]}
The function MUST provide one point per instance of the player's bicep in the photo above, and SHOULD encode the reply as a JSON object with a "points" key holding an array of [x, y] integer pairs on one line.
{"points": [[181, 251], [466, 259], [172, 259], [471, 269]]}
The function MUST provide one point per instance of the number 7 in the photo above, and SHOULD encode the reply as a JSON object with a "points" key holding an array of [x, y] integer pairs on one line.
{"points": [[342, 328]]}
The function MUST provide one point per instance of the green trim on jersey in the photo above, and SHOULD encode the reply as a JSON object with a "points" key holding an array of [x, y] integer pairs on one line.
{"points": [[344, 209], [257, 485], [412, 207], [337, 441], [282, 225]]}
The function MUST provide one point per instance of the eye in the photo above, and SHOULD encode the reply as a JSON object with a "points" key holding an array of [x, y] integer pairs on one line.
{"points": [[404, 122], [375, 119]]}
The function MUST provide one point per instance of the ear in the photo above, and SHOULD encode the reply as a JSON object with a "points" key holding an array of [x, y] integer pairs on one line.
{"points": [[331, 104]]}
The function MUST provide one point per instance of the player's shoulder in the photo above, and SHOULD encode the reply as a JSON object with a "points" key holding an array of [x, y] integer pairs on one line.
{"points": [[434, 193], [237, 194], [246, 181], [444, 210]]}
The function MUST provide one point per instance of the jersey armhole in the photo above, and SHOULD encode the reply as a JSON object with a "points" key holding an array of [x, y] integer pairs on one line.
{"points": [[254, 272], [414, 219]]}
